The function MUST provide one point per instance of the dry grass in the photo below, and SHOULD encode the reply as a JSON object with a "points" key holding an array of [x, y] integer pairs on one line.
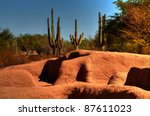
{"points": [[9, 58]]}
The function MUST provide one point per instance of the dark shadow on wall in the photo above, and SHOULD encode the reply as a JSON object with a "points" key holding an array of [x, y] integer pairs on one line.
{"points": [[76, 54], [82, 74], [78, 93], [51, 69], [139, 78], [50, 72]]}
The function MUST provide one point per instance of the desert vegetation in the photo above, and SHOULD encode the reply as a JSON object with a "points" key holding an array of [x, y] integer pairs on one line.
{"points": [[115, 63], [126, 31]]}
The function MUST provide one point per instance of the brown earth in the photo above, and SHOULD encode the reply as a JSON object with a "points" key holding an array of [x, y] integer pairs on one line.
{"points": [[80, 74]]}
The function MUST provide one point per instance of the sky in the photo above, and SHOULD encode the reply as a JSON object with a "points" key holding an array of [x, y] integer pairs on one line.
{"points": [[30, 16]]}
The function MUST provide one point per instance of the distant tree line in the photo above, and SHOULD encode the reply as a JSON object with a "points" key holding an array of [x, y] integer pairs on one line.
{"points": [[125, 31]]}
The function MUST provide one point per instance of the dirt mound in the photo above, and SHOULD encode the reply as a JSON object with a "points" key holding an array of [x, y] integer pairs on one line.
{"points": [[119, 78], [91, 66], [91, 91], [35, 68], [16, 78], [139, 77], [79, 74], [78, 90]]}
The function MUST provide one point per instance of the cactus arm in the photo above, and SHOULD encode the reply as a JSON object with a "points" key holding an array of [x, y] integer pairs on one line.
{"points": [[74, 39], [52, 28], [49, 35], [61, 42], [58, 36], [81, 38], [71, 39], [100, 29], [104, 26], [76, 31], [48, 28]]}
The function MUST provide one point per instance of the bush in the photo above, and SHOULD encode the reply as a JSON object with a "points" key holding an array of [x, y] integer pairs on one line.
{"points": [[8, 58]]}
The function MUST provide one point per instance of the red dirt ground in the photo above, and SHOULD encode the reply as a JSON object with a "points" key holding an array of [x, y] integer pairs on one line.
{"points": [[80, 74]]}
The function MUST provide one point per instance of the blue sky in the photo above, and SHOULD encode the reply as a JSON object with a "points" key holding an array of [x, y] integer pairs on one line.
{"points": [[29, 16]]}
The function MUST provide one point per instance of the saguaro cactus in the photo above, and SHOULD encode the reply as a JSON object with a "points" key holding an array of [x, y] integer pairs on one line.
{"points": [[104, 29], [74, 39], [59, 40], [54, 42], [51, 35], [101, 30]]}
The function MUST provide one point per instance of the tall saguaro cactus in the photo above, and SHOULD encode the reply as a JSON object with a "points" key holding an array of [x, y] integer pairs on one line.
{"points": [[51, 35], [104, 29], [48, 30], [101, 30], [52, 28], [74, 39], [59, 40], [54, 42]]}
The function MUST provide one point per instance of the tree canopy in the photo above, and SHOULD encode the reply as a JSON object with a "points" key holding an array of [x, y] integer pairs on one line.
{"points": [[131, 25]]}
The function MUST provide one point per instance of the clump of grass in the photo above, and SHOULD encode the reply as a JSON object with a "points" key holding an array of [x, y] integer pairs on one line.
{"points": [[8, 58]]}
